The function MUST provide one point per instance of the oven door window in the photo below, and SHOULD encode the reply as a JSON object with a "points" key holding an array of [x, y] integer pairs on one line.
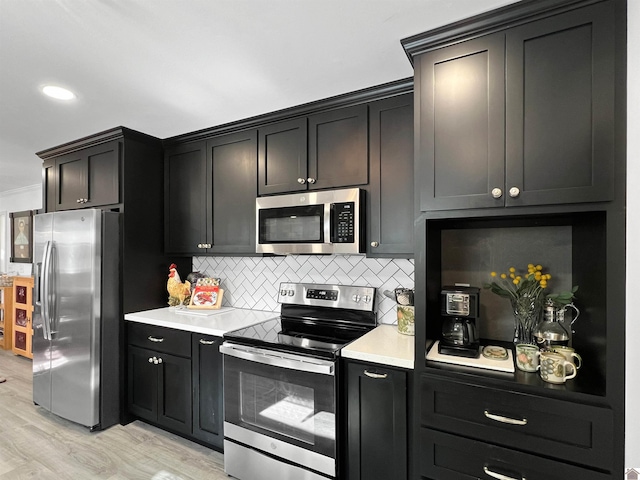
{"points": [[303, 224], [293, 406]]}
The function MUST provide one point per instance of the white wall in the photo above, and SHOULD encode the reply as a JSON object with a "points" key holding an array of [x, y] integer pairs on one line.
{"points": [[632, 424], [18, 200]]}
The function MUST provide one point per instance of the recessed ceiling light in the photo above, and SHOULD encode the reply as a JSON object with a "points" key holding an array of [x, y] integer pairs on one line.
{"points": [[58, 92]]}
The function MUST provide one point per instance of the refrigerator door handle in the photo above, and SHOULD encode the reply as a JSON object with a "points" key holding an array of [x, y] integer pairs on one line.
{"points": [[45, 291]]}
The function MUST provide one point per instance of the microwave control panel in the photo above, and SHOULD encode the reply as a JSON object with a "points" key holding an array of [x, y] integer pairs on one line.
{"points": [[343, 217]]}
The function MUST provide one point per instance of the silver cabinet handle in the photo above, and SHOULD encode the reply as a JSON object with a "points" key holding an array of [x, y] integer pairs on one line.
{"points": [[311, 180], [496, 192], [301, 181], [499, 476], [278, 359], [207, 342], [374, 244], [156, 339], [503, 419], [374, 374], [514, 192]]}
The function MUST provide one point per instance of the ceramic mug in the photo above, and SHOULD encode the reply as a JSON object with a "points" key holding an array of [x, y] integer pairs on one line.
{"points": [[569, 353], [554, 368], [527, 357]]}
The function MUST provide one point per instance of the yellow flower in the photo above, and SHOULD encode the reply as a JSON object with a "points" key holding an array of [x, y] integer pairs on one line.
{"points": [[512, 269], [539, 267], [516, 281], [493, 274], [512, 275], [503, 275]]}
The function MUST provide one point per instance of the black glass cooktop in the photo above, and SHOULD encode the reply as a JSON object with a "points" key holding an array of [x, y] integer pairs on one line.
{"points": [[299, 336]]}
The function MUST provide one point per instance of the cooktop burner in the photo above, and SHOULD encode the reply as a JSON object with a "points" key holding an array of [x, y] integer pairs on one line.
{"points": [[315, 320]]}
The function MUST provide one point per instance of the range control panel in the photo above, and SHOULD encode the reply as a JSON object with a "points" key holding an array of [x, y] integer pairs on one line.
{"points": [[333, 296]]}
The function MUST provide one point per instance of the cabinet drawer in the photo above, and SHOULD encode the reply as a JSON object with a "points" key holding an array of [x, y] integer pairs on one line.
{"points": [[449, 457], [565, 430], [160, 339]]}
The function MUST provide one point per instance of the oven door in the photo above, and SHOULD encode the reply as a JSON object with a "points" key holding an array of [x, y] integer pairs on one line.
{"points": [[281, 403]]}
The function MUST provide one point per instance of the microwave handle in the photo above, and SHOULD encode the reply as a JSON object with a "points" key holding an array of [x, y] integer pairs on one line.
{"points": [[332, 223]]}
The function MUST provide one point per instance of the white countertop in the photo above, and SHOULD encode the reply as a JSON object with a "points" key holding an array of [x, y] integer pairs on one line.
{"points": [[383, 345], [209, 322]]}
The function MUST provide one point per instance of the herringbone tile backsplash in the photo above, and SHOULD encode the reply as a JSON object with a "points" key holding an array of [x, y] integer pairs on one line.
{"points": [[252, 282]]}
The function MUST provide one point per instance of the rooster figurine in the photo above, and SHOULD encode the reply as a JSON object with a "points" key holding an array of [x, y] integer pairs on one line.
{"points": [[178, 291]]}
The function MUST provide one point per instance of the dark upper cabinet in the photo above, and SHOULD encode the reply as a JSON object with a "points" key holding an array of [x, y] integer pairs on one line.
{"points": [[86, 178], [206, 371], [376, 423], [233, 163], [210, 192], [323, 150], [282, 157], [519, 117], [187, 202], [338, 148], [391, 213]]}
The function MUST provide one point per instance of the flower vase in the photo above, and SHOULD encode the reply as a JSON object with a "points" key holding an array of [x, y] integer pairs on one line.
{"points": [[527, 311]]}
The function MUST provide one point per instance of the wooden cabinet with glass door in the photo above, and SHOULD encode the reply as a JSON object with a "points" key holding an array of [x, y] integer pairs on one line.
{"points": [[22, 313], [6, 315]]}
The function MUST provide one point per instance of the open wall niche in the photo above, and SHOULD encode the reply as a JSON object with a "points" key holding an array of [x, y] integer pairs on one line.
{"points": [[572, 247]]}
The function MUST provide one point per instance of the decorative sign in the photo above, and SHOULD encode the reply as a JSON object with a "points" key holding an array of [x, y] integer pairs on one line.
{"points": [[21, 237]]}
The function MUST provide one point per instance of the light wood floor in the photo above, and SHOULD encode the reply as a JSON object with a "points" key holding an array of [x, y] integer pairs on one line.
{"points": [[35, 444]]}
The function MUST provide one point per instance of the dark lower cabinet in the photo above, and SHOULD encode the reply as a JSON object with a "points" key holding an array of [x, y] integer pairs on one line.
{"points": [[175, 381], [160, 388], [159, 376], [206, 370], [377, 447], [467, 429]]}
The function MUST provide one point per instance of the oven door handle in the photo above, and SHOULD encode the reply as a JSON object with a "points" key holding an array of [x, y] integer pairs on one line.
{"points": [[278, 359]]}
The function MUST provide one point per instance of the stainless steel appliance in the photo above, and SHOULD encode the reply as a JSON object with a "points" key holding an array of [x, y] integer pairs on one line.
{"points": [[323, 222], [281, 382], [460, 311], [76, 316]]}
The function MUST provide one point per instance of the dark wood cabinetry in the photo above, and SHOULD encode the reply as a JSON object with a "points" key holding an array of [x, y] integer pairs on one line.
{"points": [[85, 178], [207, 389], [377, 440], [211, 188], [519, 117], [159, 376], [282, 157], [174, 381], [522, 97], [390, 206], [334, 154]]}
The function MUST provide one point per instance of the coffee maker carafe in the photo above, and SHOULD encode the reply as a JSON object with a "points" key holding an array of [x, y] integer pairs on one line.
{"points": [[460, 311]]}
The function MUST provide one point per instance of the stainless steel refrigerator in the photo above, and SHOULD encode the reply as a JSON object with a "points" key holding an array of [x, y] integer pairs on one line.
{"points": [[77, 309]]}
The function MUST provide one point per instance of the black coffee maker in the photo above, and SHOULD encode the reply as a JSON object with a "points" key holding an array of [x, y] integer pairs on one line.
{"points": [[460, 310]]}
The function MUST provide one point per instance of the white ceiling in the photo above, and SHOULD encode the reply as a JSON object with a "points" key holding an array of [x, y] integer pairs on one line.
{"points": [[167, 67]]}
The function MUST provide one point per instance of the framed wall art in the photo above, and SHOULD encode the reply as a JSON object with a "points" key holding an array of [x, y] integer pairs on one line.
{"points": [[21, 237]]}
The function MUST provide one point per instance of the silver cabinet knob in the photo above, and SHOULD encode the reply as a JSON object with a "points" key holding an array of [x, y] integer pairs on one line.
{"points": [[301, 181], [155, 360], [514, 192], [311, 180], [200, 245], [374, 244], [496, 192], [159, 360], [150, 360], [79, 200]]}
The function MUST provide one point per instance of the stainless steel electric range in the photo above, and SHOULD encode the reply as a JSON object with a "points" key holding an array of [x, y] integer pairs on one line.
{"points": [[281, 383]]}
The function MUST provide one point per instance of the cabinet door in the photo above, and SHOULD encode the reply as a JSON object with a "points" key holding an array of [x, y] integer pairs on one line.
{"points": [[282, 157], [174, 392], [391, 213], [234, 171], [22, 316], [377, 422], [89, 177], [187, 199], [560, 108], [49, 182], [338, 153], [206, 365], [459, 93], [142, 383]]}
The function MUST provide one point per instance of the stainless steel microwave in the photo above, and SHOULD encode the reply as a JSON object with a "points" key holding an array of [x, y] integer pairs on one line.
{"points": [[323, 222]]}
